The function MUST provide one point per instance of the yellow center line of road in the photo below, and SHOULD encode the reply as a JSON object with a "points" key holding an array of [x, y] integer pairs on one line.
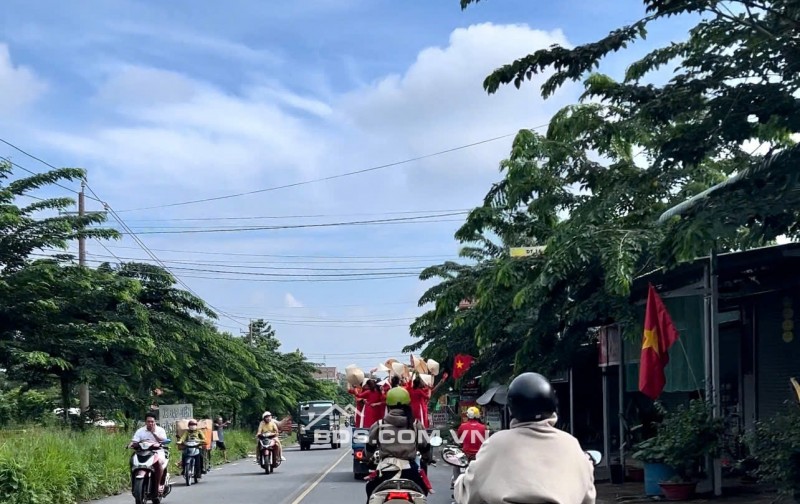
{"points": [[321, 477]]}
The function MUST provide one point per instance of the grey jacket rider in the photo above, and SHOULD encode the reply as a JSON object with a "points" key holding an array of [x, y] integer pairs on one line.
{"points": [[531, 463], [397, 440]]}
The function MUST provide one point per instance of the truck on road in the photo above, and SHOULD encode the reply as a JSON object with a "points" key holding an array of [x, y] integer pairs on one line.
{"points": [[318, 423]]}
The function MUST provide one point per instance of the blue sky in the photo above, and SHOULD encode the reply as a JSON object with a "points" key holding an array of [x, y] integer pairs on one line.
{"points": [[166, 102]]}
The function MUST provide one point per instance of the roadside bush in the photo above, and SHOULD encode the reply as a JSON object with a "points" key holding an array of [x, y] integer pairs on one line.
{"points": [[776, 449], [44, 466]]}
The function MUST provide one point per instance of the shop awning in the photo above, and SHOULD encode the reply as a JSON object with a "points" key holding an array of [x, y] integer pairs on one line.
{"points": [[497, 394]]}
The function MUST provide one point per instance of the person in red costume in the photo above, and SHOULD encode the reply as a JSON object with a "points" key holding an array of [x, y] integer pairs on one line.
{"points": [[360, 406], [420, 395], [373, 401]]}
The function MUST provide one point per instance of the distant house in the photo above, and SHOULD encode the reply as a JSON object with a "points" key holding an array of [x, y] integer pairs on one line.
{"points": [[326, 373]]}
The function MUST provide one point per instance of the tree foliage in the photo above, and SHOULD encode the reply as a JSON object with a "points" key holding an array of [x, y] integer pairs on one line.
{"points": [[125, 329], [591, 191]]}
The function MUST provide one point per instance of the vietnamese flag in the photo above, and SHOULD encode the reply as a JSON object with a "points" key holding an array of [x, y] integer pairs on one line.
{"points": [[659, 335], [461, 364]]}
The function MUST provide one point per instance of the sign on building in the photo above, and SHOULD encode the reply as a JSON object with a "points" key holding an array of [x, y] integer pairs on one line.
{"points": [[439, 419], [610, 343], [169, 414]]}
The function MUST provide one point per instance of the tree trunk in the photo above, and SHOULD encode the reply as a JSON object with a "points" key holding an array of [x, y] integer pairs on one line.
{"points": [[65, 397]]}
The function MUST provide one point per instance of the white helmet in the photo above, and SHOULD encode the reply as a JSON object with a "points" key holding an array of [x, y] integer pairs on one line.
{"points": [[266, 414], [192, 424]]}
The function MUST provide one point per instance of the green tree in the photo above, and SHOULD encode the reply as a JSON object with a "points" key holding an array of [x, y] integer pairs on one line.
{"points": [[22, 228], [62, 321], [597, 217]]}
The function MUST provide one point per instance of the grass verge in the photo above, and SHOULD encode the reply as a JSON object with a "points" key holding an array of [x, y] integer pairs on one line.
{"points": [[43, 466]]}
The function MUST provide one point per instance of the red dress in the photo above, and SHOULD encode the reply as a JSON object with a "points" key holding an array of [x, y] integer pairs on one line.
{"points": [[372, 413], [419, 404], [360, 407]]}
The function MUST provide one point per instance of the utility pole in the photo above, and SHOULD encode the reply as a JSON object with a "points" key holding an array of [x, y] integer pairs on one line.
{"points": [[249, 333], [83, 391]]}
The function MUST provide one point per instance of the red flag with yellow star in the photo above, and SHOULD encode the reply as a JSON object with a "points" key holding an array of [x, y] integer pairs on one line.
{"points": [[461, 364], [659, 335]]}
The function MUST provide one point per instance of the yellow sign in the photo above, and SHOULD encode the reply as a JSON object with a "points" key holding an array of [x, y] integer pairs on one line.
{"points": [[526, 251]]}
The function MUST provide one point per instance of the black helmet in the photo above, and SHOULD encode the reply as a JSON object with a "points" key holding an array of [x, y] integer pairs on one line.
{"points": [[531, 398]]}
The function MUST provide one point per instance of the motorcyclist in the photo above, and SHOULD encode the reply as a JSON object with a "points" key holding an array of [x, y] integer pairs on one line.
{"points": [[533, 462], [154, 434], [471, 435], [266, 427], [193, 434], [397, 438]]}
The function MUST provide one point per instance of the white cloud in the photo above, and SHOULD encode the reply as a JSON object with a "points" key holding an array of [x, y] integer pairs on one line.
{"points": [[173, 137], [131, 87], [291, 302], [19, 86]]}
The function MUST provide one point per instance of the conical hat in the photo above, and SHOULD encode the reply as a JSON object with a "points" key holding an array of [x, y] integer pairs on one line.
{"points": [[399, 368], [382, 368], [433, 367], [419, 364], [354, 375], [427, 379]]}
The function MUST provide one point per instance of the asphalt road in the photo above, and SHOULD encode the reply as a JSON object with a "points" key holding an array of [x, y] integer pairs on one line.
{"points": [[318, 476]]}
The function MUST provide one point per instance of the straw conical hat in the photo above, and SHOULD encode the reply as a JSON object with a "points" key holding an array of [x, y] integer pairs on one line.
{"points": [[354, 375], [382, 368], [399, 368], [433, 367], [427, 379], [419, 364]]}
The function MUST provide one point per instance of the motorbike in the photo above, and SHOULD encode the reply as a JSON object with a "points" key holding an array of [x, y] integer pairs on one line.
{"points": [[191, 456], [266, 452], [362, 464], [397, 490], [144, 486], [453, 455]]}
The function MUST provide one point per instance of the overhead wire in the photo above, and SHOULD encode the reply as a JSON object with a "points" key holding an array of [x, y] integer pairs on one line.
{"points": [[96, 198], [382, 222], [245, 266], [330, 177], [291, 256], [305, 216]]}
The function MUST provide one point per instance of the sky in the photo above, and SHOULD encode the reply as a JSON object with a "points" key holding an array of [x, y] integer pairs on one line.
{"points": [[165, 103]]}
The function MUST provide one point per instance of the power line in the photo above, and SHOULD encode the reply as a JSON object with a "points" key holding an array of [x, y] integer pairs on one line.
{"points": [[245, 267], [382, 222], [331, 177], [277, 277], [153, 256], [340, 273], [417, 263], [244, 254], [313, 216], [12, 163]]}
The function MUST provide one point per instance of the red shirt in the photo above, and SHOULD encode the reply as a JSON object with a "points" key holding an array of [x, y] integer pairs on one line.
{"points": [[473, 433], [419, 404], [372, 413], [360, 407]]}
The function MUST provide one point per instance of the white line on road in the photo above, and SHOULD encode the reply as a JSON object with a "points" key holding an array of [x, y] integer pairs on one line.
{"points": [[313, 485]]}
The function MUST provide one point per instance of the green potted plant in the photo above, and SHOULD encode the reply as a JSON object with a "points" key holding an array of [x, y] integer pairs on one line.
{"points": [[776, 451], [674, 454]]}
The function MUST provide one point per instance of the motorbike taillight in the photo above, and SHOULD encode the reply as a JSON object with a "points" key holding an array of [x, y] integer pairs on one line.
{"points": [[359, 454], [399, 495]]}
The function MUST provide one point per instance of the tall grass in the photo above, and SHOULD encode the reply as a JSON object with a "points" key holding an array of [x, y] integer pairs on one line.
{"points": [[44, 466]]}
